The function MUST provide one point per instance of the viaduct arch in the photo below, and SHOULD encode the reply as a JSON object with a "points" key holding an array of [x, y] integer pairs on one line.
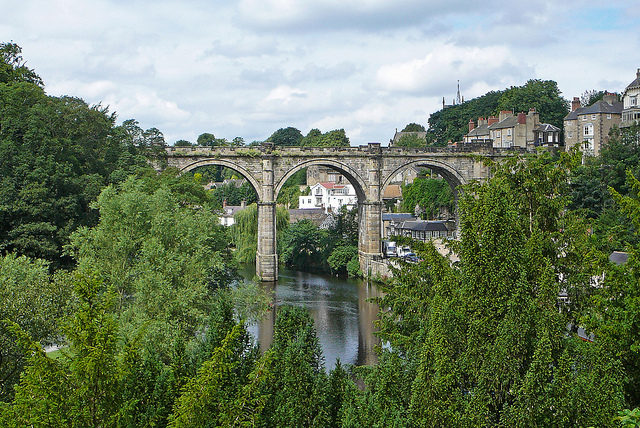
{"points": [[369, 168]]}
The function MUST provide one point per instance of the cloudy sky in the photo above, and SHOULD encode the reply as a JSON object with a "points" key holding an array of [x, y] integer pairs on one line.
{"points": [[248, 67]]}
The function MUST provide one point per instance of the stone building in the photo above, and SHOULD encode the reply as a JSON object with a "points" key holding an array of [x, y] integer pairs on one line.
{"points": [[321, 174], [631, 103], [480, 134], [396, 137], [546, 135], [514, 131], [589, 126], [505, 131]]}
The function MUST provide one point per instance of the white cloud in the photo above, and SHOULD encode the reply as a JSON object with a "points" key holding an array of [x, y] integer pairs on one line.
{"points": [[248, 67], [430, 74]]}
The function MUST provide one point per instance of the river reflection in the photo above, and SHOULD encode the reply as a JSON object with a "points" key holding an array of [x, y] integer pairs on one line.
{"points": [[340, 308]]}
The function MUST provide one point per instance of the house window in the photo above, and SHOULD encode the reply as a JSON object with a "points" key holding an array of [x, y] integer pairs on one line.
{"points": [[588, 129], [570, 134], [497, 134], [609, 116], [633, 100], [584, 117], [593, 117], [588, 147], [508, 132]]}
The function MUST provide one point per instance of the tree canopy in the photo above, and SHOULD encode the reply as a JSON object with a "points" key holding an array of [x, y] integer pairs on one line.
{"points": [[414, 127]]}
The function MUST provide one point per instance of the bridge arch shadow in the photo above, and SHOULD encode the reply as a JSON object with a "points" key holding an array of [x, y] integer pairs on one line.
{"points": [[231, 165]]}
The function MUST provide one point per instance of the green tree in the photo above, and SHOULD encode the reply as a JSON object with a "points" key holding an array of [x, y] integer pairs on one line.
{"points": [[182, 143], [302, 247], [55, 156], [206, 139], [615, 309], [83, 388], [432, 195], [590, 97], [13, 67], [286, 137], [411, 140], [335, 138], [413, 127], [32, 300], [160, 248], [340, 258], [208, 398], [452, 123], [298, 391], [543, 95]]}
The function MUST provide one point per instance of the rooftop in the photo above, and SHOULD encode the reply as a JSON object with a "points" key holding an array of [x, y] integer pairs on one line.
{"points": [[509, 122], [596, 108], [426, 225]]}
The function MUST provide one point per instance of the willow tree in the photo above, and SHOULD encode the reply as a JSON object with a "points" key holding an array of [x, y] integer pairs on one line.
{"points": [[244, 231]]}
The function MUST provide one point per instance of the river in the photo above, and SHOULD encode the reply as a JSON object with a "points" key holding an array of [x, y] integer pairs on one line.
{"points": [[340, 308]]}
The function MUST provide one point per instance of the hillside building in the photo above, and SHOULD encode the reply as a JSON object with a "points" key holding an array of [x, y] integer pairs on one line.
{"points": [[631, 103], [523, 130], [589, 126]]}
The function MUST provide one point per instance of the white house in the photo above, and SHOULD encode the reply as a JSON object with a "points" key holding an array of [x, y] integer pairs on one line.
{"points": [[631, 102], [329, 196]]}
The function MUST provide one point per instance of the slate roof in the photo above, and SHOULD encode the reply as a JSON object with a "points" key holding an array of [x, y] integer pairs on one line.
{"points": [[596, 108], [397, 216], [508, 122], [425, 225], [480, 131], [634, 84], [546, 127]]}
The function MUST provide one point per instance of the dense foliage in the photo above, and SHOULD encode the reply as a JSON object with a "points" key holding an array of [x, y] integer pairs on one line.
{"points": [[411, 140], [293, 137], [56, 153], [428, 196], [413, 127]]}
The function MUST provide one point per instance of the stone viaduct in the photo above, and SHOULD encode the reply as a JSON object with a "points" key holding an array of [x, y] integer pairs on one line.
{"points": [[369, 169]]}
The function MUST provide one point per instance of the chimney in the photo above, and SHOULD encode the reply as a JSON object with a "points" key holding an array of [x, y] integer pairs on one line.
{"points": [[575, 104], [492, 120], [504, 114], [471, 125], [609, 98], [481, 121], [522, 118], [243, 204], [638, 73]]}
